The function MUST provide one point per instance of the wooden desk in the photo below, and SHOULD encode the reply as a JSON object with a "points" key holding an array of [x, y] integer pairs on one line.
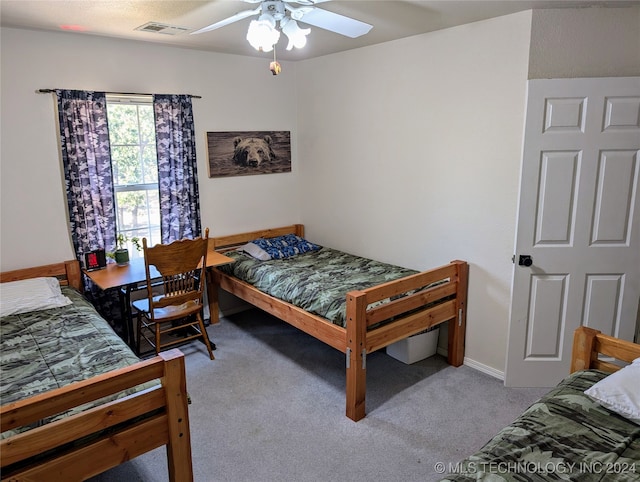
{"points": [[127, 278]]}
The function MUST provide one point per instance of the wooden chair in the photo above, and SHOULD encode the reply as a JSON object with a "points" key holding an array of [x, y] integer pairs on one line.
{"points": [[181, 265]]}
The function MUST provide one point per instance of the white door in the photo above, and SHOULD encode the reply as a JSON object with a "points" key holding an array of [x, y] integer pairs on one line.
{"points": [[578, 220]]}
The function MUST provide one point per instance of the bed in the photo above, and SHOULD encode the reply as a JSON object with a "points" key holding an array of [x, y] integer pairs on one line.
{"points": [[76, 401], [373, 315], [569, 434]]}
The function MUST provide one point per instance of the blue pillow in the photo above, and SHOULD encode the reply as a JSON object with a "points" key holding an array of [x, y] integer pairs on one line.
{"points": [[282, 247]]}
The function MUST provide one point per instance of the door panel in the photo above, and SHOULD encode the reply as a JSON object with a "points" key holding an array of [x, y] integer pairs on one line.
{"points": [[602, 302], [557, 197], [578, 220], [615, 191], [548, 303]]}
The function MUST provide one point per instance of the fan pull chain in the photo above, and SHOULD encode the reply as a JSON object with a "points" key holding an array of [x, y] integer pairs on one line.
{"points": [[274, 66]]}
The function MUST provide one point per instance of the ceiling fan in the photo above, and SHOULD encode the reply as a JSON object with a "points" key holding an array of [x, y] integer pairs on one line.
{"points": [[263, 33]]}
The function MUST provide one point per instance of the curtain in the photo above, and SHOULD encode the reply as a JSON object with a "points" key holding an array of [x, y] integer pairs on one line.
{"points": [[86, 159], [177, 170]]}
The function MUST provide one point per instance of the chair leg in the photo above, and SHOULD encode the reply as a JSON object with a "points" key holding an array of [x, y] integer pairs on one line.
{"points": [[139, 333], [205, 335], [156, 327]]}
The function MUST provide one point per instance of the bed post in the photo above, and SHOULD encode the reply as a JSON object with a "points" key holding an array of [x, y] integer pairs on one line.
{"points": [[457, 325], [213, 296], [356, 354], [175, 387], [584, 339], [74, 275]]}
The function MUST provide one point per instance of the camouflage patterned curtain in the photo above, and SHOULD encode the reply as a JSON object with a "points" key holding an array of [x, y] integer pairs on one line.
{"points": [[177, 171], [86, 159]]}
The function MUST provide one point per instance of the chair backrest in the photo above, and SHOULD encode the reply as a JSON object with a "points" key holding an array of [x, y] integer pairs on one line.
{"points": [[181, 265]]}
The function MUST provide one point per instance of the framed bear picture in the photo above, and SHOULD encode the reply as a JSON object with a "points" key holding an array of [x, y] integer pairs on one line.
{"points": [[246, 153]]}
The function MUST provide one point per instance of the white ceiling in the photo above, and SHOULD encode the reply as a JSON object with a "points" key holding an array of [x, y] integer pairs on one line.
{"points": [[390, 19]]}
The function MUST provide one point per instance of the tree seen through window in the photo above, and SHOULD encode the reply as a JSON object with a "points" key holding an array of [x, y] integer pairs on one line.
{"points": [[135, 172]]}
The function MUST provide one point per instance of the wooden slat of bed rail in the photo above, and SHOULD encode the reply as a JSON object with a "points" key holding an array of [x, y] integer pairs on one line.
{"points": [[67, 272], [408, 283], [410, 302], [615, 347], [56, 269], [32, 442], [605, 366], [410, 325], [120, 447], [589, 343], [219, 242], [40, 406]]}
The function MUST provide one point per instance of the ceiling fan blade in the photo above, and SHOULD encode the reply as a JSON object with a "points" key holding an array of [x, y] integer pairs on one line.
{"points": [[335, 22], [309, 3], [227, 21]]}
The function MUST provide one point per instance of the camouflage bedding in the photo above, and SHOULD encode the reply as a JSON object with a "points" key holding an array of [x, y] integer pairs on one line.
{"points": [[316, 281], [563, 436], [48, 349]]}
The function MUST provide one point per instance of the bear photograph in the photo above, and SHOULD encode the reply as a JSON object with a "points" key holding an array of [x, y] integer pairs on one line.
{"points": [[245, 153]]}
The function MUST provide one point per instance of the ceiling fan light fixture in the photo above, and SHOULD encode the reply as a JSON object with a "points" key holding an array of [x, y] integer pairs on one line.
{"points": [[262, 33], [297, 36]]}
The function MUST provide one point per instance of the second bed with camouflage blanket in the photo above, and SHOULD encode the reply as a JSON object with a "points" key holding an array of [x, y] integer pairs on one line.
{"points": [[76, 401], [353, 304], [315, 281], [49, 349], [563, 436], [585, 429]]}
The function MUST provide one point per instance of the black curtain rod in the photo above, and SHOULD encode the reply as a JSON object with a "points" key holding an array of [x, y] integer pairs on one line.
{"points": [[48, 91]]}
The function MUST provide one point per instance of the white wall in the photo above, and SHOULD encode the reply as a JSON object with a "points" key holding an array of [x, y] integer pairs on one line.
{"points": [[585, 42], [238, 93], [410, 153]]}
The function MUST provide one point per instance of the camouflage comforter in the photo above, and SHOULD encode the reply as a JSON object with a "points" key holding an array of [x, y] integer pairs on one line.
{"points": [[48, 349], [316, 281], [563, 436]]}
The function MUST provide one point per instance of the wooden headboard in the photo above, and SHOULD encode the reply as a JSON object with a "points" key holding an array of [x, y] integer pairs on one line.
{"points": [[67, 272], [227, 243], [588, 344]]}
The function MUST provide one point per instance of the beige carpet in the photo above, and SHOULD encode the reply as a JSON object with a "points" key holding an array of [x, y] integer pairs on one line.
{"points": [[271, 408]]}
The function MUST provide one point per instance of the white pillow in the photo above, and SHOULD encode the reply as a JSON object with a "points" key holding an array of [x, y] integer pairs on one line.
{"points": [[255, 251], [620, 392], [31, 295]]}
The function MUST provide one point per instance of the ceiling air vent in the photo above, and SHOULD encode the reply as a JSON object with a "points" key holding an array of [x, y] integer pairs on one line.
{"points": [[155, 27]]}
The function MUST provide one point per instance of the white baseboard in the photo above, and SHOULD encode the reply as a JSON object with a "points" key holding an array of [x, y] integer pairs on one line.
{"points": [[484, 368], [481, 367]]}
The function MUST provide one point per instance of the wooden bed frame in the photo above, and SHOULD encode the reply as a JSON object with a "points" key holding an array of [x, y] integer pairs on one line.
{"points": [[589, 346], [114, 432], [411, 314]]}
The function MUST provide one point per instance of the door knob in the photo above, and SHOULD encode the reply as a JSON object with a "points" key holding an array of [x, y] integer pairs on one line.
{"points": [[525, 260]]}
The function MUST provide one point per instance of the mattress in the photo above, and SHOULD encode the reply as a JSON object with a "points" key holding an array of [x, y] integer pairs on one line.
{"points": [[564, 436], [316, 281], [52, 348]]}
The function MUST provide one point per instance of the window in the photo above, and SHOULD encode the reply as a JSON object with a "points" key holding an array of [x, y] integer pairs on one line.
{"points": [[135, 169]]}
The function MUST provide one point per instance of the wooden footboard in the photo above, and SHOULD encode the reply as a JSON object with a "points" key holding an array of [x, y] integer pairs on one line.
{"points": [[85, 444], [88, 443], [402, 318], [368, 329], [589, 344]]}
